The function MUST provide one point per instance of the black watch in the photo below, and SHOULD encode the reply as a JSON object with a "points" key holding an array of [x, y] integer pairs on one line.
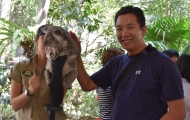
{"points": [[26, 92]]}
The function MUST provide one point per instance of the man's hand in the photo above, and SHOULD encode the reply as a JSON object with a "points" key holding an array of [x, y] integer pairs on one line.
{"points": [[75, 38]]}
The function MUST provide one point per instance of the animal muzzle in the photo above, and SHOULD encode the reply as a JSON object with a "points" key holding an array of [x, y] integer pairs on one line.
{"points": [[49, 50]]}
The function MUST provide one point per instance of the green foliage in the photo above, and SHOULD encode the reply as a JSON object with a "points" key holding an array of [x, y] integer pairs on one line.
{"points": [[12, 35], [82, 15], [185, 50], [155, 9], [169, 33], [6, 112], [78, 104], [23, 12], [4, 83]]}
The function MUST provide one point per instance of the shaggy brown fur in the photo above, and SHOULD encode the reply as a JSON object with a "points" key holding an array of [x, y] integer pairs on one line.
{"points": [[58, 42]]}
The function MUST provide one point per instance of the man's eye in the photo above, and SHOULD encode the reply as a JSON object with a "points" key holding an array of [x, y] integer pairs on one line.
{"points": [[118, 29], [130, 28]]}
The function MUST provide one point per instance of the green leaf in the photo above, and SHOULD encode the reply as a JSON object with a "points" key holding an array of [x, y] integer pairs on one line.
{"points": [[185, 50], [6, 29], [10, 23], [172, 33], [16, 35]]}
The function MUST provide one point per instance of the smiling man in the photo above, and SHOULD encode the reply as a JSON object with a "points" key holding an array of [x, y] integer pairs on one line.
{"points": [[152, 89]]}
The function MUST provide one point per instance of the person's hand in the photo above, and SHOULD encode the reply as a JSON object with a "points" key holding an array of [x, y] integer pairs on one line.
{"points": [[34, 84], [76, 39]]}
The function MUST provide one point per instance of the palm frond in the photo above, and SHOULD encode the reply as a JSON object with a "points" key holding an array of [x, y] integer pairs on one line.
{"points": [[6, 29], [13, 25], [13, 34], [185, 50], [173, 33]]}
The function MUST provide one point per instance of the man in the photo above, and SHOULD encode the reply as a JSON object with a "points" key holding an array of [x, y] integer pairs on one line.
{"points": [[173, 54], [152, 89]]}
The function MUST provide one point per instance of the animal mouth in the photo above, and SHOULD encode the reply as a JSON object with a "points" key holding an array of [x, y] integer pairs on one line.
{"points": [[49, 50], [50, 53]]}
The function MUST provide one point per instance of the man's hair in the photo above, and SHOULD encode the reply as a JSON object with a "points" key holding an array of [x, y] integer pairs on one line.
{"points": [[132, 10], [110, 53], [171, 53], [183, 65]]}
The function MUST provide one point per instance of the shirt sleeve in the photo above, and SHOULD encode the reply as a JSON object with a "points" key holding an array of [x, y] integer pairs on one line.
{"points": [[171, 82], [102, 78], [15, 73]]}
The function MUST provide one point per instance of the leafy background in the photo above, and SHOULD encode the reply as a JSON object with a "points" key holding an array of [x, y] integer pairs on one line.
{"points": [[92, 21]]}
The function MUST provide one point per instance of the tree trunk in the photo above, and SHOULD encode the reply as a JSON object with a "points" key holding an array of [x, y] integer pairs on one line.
{"points": [[167, 8], [43, 8], [5, 9]]}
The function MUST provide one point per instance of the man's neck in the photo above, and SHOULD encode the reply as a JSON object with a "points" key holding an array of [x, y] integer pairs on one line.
{"points": [[138, 50]]}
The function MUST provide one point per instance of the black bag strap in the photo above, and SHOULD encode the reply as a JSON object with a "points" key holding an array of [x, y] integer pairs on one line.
{"points": [[129, 67]]}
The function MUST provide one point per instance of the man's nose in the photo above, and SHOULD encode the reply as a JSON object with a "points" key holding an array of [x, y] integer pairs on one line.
{"points": [[125, 32]]}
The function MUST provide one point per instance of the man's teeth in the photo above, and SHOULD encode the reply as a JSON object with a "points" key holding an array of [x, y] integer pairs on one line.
{"points": [[126, 40]]}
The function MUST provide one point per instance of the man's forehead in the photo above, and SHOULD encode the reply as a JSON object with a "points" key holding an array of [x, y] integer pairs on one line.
{"points": [[127, 18]]}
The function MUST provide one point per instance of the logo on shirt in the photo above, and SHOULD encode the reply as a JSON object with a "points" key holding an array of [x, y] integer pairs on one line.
{"points": [[27, 73], [138, 72]]}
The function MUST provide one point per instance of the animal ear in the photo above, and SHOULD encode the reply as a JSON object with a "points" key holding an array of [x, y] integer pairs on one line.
{"points": [[45, 28], [57, 35], [44, 31]]}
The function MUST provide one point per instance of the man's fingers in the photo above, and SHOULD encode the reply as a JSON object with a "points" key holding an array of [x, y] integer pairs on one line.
{"points": [[75, 38], [73, 35]]}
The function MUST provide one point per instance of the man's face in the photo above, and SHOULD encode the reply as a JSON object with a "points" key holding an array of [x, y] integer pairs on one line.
{"points": [[129, 33]]}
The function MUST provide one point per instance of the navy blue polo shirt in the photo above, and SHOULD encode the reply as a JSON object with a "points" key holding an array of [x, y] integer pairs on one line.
{"points": [[144, 92]]}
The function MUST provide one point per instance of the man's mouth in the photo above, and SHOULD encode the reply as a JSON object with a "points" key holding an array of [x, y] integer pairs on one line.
{"points": [[126, 41]]}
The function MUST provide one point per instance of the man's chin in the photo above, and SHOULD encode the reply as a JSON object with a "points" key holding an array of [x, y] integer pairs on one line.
{"points": [[126, 47]]}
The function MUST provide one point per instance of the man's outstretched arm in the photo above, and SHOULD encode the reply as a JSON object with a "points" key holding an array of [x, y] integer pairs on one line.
{"points": [[83, 78]]}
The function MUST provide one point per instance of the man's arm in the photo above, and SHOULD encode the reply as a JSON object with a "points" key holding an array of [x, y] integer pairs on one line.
{"points": [[176, 110], [97, 97], [83, 78]]}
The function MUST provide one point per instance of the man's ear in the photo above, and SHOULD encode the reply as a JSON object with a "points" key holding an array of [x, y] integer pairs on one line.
{"points": [[144, 30]]}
